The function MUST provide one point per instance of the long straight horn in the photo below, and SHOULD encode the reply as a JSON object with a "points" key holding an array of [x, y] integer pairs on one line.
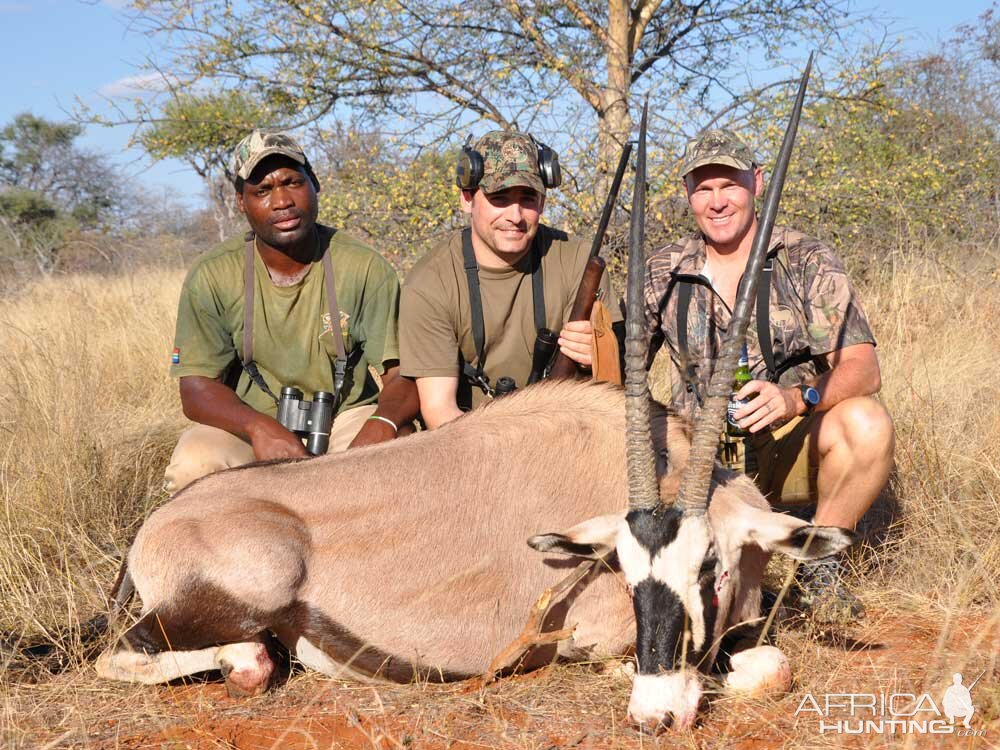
{"points": [[643, 491], [693, 494]]}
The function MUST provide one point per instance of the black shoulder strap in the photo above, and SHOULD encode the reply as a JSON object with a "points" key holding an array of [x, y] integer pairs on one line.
{"points": [[688, 369], [764, 318], [537, 287], [476, 374], [774, 369], [476, 306]]}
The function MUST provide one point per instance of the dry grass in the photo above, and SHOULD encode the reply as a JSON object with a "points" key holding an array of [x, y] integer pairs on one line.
{"points": [[87, 419]]}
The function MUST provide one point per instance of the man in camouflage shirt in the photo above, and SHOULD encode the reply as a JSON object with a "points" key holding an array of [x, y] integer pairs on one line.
{"points": [[816, 433], [511, 251], [293, 325]]}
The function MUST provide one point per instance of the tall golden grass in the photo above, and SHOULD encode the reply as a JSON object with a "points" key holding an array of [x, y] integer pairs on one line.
{"points": [[88, 416]]}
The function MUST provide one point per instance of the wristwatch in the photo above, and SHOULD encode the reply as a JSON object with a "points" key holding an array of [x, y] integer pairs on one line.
{"points": [[810, 397]]}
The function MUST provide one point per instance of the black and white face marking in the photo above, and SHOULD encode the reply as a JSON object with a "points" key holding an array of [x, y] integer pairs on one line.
{"points": [[668, 560]]}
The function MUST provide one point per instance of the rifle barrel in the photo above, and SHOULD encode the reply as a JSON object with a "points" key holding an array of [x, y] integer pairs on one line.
{"points": [[609, 203]]}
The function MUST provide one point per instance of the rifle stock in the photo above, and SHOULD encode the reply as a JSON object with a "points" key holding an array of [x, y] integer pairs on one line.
{"points": [[563, 367]]}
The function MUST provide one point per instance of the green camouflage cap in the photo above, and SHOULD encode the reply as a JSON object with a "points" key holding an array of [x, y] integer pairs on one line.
{"points": [[259, 145], [719, 146], [510, 159]]}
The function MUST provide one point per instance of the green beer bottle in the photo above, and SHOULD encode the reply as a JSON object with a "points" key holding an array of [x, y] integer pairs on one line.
{"points": [[742, 378]]}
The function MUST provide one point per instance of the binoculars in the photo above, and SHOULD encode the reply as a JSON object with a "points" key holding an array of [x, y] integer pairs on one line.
{"points": [[309, 419], [545, 346]]}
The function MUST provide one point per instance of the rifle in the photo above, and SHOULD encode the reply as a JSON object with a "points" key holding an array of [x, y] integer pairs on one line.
{"points": [[564, 367]]}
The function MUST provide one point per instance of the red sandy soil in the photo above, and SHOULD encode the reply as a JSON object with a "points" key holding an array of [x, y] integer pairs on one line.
{"points": [[576, 706]]}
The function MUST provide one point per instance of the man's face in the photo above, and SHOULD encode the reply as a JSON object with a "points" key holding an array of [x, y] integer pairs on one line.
{"points": [[279, 201], [505, 221], [722, 200]]}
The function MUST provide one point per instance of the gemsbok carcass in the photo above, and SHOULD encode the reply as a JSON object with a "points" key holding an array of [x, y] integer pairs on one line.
{"points": [[406, 560]]}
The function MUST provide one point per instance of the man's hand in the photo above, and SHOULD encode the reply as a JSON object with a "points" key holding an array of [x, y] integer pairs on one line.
{"points": [[773, 405], [399, 402], [575, 341], [270, 440]]}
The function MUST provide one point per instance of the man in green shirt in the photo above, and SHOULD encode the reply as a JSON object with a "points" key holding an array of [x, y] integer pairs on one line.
{"points": [[524, 274], [293, 332]]}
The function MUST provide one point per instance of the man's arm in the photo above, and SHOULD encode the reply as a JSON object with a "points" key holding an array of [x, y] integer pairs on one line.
{"points": [[208, 401], [398, 402], [854, 372], [438, 400]]}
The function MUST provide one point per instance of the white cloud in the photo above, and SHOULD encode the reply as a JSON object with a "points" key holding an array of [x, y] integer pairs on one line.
{"points": [[137, 84]]}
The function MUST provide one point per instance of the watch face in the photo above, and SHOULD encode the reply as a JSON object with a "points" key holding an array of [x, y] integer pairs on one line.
{"points": [[810, 395]]}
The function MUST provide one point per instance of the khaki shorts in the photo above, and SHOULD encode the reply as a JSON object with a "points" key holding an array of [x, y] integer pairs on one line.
{"points": [[780, 460], [202, 450]]}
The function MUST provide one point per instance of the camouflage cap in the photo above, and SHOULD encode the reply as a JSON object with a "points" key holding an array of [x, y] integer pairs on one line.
{"points": [[719, 146], [259, 145], [510, 159]]}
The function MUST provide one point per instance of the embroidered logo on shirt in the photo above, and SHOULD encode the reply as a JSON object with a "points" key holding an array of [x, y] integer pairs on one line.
{"points": [[175, 358], [327, 328]]}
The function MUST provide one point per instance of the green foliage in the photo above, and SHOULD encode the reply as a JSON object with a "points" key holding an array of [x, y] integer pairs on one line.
{"points": [[32, 230], [49, 188], [41, 156], [398, 202], [427, 69], [917, 160], [26, 207], [203, 129]]}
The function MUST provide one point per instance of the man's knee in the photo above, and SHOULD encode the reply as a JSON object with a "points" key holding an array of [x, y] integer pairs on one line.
{"points": [[203, 450], [862, 424]]}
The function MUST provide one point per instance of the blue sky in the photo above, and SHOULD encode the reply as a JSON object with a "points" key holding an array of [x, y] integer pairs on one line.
{"points": [[58, 50]]}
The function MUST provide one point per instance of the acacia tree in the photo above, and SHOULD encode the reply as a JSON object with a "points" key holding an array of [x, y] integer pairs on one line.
{"points": [[49, 186], [202, 130], [41, 156], [438, 66]]}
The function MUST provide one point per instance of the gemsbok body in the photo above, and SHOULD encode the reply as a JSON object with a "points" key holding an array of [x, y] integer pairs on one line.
{"points": [[408, 559]]}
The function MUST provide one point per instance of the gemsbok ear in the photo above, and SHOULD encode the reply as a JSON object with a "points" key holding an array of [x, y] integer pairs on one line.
{"points": [[810, 542], [777, 532], [593, 538]]}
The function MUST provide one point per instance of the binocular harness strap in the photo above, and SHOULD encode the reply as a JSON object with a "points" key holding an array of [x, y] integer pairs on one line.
{"points": [[249, 278], [476, 374], [773, 369]]}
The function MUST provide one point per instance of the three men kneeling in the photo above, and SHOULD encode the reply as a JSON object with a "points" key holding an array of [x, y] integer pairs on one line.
{"points": [[297, 303]]}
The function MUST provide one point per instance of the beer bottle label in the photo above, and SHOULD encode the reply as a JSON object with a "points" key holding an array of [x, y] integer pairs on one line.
{"points": [[735, 404]]}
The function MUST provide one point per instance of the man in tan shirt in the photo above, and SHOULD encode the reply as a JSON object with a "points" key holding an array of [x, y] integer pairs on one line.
{"points": [[524, 273]]}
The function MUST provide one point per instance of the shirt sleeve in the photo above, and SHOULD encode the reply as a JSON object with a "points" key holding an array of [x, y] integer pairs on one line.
{"points": [[203, 345], [428, 342], [833, 313], [377, 329]]}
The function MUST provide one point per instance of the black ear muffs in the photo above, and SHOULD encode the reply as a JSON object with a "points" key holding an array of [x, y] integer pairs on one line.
{"points": [[548, 165], [469, 170], [470, 166]]}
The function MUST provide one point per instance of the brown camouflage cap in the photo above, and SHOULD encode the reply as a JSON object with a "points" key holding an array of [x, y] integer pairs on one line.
{"points": [[719, 146], [510, 159], [259, 145]]}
